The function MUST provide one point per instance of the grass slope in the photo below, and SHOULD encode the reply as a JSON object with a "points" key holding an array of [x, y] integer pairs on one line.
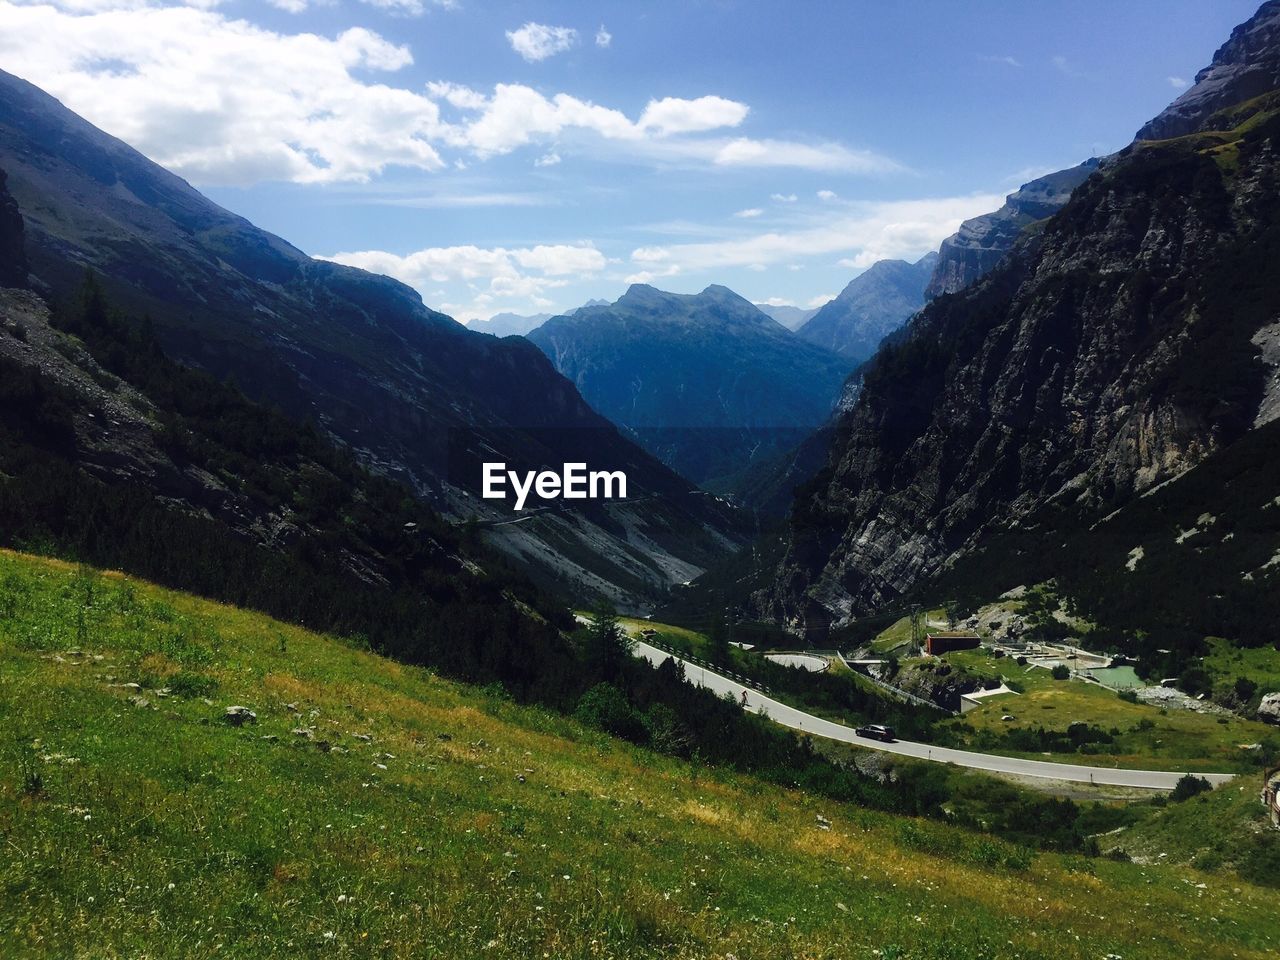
{"points": [[464, 825]]}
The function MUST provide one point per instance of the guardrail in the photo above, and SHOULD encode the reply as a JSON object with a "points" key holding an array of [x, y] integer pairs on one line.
{"points": [[748, 682]]}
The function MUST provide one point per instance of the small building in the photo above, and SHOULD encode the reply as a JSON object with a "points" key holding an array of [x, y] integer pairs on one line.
{"points": [[936, 644]]}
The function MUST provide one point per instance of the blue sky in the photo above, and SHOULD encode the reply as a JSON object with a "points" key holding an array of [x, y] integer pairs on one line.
{"points": [[529, 156]]}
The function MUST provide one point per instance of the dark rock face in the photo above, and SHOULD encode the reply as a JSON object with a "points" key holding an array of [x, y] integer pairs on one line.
{"points": [[707, 383], [981, 243], [872, 306], [409, 389], [1246, 66], [13, 254], [1114, 350]]}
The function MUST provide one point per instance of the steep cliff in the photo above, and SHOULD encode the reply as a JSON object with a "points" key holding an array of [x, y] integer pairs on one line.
{"points": [[972, 251], [1118, 347], [1246, 66]]}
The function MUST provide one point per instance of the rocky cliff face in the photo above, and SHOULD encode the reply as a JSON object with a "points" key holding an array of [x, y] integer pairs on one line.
{"points": [[873, 305], [707, 383], [1108, 353], [13, 254], [1246, 66], [982, 242]]}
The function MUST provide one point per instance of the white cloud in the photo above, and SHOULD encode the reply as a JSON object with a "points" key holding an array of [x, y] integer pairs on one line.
{"points": [[1006, 60], [224, 101], [821, 300], [537, 41], [515, 115], [603, 37], [744, 152], [549, 159], [493, 274], [749, 213], [1178, 83], [673, 115], [405, 8], [862, 234], [783, 197], [827, 195], [776, 302]]}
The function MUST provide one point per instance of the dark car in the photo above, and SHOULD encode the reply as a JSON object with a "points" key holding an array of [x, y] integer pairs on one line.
{"points": [[876, 731]]}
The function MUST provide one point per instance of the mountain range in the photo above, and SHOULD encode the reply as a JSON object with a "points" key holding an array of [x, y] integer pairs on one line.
{"points": [[706, 382], [1100, 409], [413, 393]]}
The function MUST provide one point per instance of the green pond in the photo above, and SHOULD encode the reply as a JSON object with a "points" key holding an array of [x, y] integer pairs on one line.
{"points": [[1118, 678]]}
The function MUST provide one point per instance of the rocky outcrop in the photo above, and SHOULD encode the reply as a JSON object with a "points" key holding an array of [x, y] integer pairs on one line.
{"points": [[13, 254], [1269, 708], [872, 306], [975, 249], [1246, 66]]}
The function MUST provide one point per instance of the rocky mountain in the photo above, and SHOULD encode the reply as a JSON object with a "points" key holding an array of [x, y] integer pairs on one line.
{"points": [[1114, 375], [873, 305], [793, 318], [980, 243], [1246, 66], [705, 382], [413, 393]]}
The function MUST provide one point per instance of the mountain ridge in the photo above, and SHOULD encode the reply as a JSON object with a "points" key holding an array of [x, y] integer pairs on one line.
{"points": [[706, 381], [360, 355]]}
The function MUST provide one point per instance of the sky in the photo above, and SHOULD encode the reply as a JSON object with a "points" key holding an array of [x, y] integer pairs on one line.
{"points": [[529, 156]]}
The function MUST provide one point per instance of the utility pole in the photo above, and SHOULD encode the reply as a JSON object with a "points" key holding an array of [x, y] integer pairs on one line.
{"points": [[917, 630]]}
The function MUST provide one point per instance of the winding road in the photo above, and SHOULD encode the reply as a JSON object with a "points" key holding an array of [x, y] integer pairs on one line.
{"points": [[807, 723]]}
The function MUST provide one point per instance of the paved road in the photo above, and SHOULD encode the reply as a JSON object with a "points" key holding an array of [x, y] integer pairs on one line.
{"points": [[808, 723]]}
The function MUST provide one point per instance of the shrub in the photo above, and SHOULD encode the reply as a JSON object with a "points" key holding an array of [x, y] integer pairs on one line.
{"points": [[1188, 787], [188, 684], [1061, 672], [605, 707]]}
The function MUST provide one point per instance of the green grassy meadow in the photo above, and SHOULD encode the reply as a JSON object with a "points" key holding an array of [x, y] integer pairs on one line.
{"points": [[414, 817]]}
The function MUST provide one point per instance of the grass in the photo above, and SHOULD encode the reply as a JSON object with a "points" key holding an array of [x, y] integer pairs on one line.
{"points": [[1149, 737], [1226, 830], [464, 825], [1227, 662], [678, 638], [898, 634]]}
